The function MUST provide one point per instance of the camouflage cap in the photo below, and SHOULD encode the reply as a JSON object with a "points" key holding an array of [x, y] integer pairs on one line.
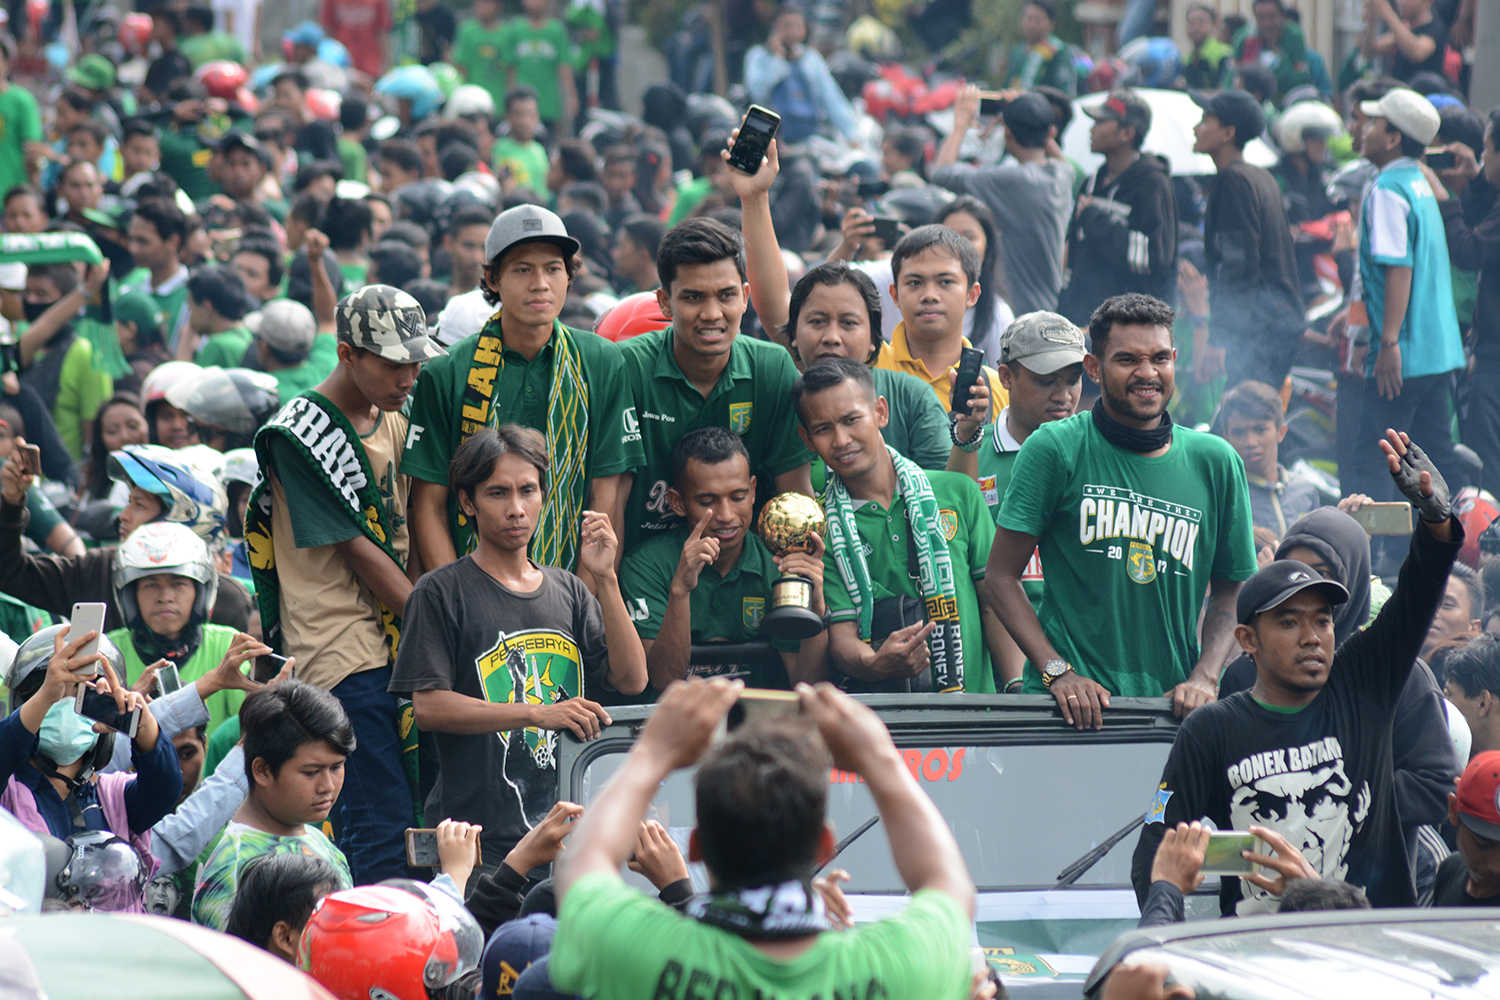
{"points": [[388, 323]]}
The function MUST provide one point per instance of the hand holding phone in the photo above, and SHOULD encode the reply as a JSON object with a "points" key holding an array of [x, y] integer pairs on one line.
{"points": [[88, 617], [970, 371], [887, 230], [1384, 518], [1223, 856], [101, 706], [755, 134], [1440, 159], [30, 456]]}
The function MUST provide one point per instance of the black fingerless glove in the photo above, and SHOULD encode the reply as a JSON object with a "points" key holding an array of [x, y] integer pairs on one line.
{"points": [[1434, 509]]}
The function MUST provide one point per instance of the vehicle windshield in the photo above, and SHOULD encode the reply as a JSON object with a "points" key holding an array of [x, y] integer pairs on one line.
{"points": [[1021, 812]]}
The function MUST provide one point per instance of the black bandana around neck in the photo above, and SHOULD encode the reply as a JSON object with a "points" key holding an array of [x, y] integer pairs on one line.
{"points": [[790, 909], [1133, 438]]}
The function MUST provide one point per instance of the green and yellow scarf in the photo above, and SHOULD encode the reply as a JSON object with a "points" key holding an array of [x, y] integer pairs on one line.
{"points": [[556, 540]]}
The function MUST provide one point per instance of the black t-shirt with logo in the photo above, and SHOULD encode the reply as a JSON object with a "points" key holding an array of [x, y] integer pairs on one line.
{"points": [[464, 631]]}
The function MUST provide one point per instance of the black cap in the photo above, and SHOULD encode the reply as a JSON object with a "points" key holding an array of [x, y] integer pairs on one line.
{"points": [[1125, 107], [1029, 112], [1234, 107], [1277, 582], [235, 139]]}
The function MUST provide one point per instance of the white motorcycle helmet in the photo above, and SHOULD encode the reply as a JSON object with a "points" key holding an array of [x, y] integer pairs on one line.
{"points": [[163, 547]]}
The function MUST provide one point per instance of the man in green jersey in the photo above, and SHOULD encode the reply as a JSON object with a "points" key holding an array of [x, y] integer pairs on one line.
{"points": [[1136, 521], [1041, 367], [155, 237], [525, 367], [761, 801], [711, 583], [699, 373], [905, 548]]}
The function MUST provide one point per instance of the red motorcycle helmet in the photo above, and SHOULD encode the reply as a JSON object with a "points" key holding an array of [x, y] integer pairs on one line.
{"points": [[398, 939], [1476, 510], [636, 314], [135, 33], [222, 78]]}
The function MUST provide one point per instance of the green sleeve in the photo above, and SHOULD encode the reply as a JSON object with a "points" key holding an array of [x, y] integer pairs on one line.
{"points": [[646, 590], [981, 527], [786, 450], [928, 442], [227, 349], [219, 745], [835, 594], [317, 522], [30, 126], [614, 434], [1036, 478], [429, 439], [44, 516], [1234, 558]]}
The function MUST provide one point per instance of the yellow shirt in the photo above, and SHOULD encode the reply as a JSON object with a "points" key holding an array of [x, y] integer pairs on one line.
{"points": [[896, 357]]}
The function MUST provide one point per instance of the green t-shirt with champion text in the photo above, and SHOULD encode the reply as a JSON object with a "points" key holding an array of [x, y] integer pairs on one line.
{"points": [[883, 534], [615, 943], [476, 53], [537, 53], [726, 608], [1130, 544], [751, 398], [520, 396], [218, 879], [225, 349], [20, 123]]}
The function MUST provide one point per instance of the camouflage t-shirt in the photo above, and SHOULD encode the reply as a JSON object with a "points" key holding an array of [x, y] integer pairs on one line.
{"points": [[463, 631], [219, 877]]}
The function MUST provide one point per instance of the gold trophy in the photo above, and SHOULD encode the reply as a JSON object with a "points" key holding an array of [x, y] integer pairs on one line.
{"points": [[787, 523]]}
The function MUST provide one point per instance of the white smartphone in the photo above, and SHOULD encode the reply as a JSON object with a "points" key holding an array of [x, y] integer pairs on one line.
{"points": [[87, 617]]}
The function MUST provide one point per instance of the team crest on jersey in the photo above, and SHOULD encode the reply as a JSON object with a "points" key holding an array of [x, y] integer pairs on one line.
{"points": [[534, 667], [752, 610], [739, 417], [948, 521], [988, 488], [1142, 565]]}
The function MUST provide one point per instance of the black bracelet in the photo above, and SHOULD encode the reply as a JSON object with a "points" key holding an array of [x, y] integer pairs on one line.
{"points": [[972, 444]]}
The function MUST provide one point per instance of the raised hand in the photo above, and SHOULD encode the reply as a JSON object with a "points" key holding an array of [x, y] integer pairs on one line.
{"points": [[685, 721], [544, 842], [1416, 477], [596, 554], [14, 479], [758, 184], [657, 857], [697, 553]]}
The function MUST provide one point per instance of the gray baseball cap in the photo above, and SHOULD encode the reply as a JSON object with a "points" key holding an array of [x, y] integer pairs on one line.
{"points": [[388, 323], [1043, 342], [527, 224], [285, 325]]}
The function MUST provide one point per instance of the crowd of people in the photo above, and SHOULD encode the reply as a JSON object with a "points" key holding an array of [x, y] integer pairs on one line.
{"points": [[407, 409]]}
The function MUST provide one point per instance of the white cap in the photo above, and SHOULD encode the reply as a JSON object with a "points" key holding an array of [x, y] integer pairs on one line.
{"points": [[1408, 112]]}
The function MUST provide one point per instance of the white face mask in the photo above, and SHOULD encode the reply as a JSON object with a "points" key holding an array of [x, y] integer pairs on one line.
{"points": [[65, 735]]}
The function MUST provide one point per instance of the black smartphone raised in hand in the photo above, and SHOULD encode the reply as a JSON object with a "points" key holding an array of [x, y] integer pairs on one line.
{"points": [[756, 132], [1441, 159], [970, 370], [887, 230], [90, 704]]}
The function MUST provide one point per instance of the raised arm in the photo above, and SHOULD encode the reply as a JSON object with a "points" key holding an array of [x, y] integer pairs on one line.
{"points": [[965, 111], [770, 292]]}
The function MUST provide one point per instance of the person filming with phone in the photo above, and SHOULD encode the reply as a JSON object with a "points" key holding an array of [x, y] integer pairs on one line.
{"points": [[791, 76], [51, 757], [1307, 750]]}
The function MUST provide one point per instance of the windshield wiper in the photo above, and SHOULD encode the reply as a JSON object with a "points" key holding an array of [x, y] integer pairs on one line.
{"points": [[1077, 869], [863, 827]]}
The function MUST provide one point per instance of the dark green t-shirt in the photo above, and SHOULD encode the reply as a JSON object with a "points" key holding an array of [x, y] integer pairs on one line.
{"points": [[726, 608], [751, 398], [1130, 544], [520, 396], [884, 536]]}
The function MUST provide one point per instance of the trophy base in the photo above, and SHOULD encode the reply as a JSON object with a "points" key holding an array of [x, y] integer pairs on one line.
{"points": [[792, 623]]}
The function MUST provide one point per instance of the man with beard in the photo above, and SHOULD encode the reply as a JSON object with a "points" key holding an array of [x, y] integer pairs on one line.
{"points": [[1307, 750], [1134, 518]]}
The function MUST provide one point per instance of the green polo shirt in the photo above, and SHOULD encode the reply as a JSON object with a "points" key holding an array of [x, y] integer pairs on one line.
{"points": [[997, 456], [884, 536], [171, 297], [520, 396], [726, 608], [225, 349], [751, 398]]}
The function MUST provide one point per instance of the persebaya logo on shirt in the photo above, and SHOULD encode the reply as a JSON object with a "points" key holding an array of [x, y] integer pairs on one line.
{"points": [[752, 611], [1141, 566], [948, 521], [534, 667], [739, 417]]}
